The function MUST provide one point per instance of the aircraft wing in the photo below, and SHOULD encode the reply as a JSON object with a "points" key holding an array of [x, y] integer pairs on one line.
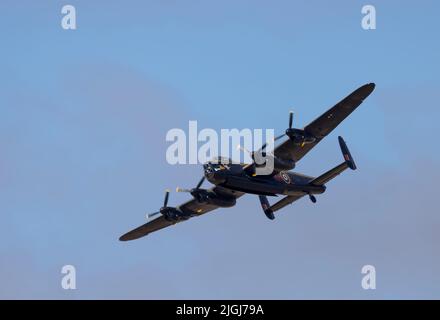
{"points": [[192, 207], [324, 124], [143, 230], [286, 201]]}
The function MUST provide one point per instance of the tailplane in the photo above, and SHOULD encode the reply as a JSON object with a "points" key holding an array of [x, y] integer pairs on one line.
{"points": [[348, 163]]}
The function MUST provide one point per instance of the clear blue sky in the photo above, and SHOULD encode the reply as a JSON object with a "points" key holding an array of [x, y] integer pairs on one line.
{"points": [[83, 120]]}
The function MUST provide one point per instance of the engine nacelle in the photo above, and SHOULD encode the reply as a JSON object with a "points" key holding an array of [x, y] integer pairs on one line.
{"points": [[299, 136], [173, 214], [210, 197]]}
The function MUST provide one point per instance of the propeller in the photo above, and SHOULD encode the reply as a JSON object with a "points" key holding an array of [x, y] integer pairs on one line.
{"points": [[165, 203], [275, 139], [249, 168], [261, 150], [298, 136], [200, 182], [282, 135], [167, 195], [191, 190], [153, 214], [290, 119], [251, 154], [243, 149]]}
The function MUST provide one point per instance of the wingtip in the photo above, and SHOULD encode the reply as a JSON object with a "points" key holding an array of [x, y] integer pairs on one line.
{"points": [[123, 238], [370, 86], [365, 90], [127, 237]]}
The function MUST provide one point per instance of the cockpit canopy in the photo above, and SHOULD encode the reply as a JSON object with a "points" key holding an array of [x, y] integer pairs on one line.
{"points": [[220, 160]]}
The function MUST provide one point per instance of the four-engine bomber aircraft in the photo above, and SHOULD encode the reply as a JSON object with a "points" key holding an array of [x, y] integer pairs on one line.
{"points": [[231, 180]]}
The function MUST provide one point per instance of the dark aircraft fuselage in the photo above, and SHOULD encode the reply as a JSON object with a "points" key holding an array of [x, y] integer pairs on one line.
{"points": [[235, 177]]}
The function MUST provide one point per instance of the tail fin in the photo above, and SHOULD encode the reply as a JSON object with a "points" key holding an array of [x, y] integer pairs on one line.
{"points": [[346, 153], [266, 207], [348, 163]]}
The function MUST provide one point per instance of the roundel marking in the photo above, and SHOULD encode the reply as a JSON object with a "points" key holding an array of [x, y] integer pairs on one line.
{"points": [[286, 177]]}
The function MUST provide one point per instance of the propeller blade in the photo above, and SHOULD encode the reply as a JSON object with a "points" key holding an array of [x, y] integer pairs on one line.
{"points": [[182, 190], [167, 195], [200, 182], [290, 119], [275, 139], [239, 147], [153, 214]]}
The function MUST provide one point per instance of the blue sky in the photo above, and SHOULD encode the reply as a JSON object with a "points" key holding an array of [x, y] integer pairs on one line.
{"points": [[84, 115]]}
